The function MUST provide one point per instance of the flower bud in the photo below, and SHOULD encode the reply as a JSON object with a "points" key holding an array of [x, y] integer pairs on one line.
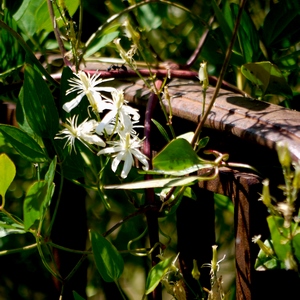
{"points": [[195, 271], [283, 154], [265, 197], [296, 180], [267, 250], [203, 76]]}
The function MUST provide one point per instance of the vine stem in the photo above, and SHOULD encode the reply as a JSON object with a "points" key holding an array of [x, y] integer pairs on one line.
{"points": [[57, 34], [6, 252], [221, 76]]}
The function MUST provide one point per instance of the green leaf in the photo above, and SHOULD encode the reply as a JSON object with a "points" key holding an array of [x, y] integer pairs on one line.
{"points": [[296, 245], [38, 104], [279, 235], [23, 143], [7, 174], [176, 156], [20, 115], [267, 77], [77, 296], [227, 31], [247, 36], [161, 129], [109, 262], [49, 177], [33, 16], [282, 22], [37, 194], [156, 274], [149, 17], [100, 43], [264, 262], [8, 226]]}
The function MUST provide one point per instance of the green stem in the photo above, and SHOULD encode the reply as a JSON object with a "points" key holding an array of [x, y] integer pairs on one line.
{"points": [[68, 249], [120, 290], [44, 261], [6, 252], [29, 53], [222, 74]]}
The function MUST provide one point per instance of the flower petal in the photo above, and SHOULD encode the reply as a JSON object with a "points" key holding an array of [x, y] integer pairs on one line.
{"points": [[73, 103], [116, 161], [128, 162]]}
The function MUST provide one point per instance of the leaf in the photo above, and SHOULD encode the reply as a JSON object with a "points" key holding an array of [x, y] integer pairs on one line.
{"points": [[23, 143], [149, 17], [161, 129], [282, 22], [156, 274], [226, 30], [264, 262], [296, 245], [38, 104], [33, 16], [7, 174], [109, 262], [36, 195], [247, 35], [176, 156], [279, 236], [268, 77], [102, 42], [8, 226], [20, 115], [77, 296], [158, 183]]}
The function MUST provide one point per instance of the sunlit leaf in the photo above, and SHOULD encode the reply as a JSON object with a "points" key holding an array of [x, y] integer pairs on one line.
{"points": [[36, 195], [264, 262], [296, 245], [109, 262], [267, 77], [156, 274], [149, 17], [279, 236], [247, 35], [33, 16], [100, 43], [23, 143], [176, 156], [8, 226], [7, 174], [157, 183]]}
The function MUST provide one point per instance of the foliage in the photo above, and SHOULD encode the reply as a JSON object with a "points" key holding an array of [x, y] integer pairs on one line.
{"points": [[79, 128], [281, 251]]}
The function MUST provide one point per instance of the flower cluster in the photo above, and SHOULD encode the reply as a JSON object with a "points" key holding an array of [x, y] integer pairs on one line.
{"points": [[115, 128]]}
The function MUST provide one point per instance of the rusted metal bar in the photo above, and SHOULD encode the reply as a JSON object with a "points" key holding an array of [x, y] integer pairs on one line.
{"points": [[246, 118], [243, 189]]}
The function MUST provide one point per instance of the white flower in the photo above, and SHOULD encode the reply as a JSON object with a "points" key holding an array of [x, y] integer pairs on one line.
{"points": [[120, 112], [84, 132], [87, 85], [125, 149]]}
